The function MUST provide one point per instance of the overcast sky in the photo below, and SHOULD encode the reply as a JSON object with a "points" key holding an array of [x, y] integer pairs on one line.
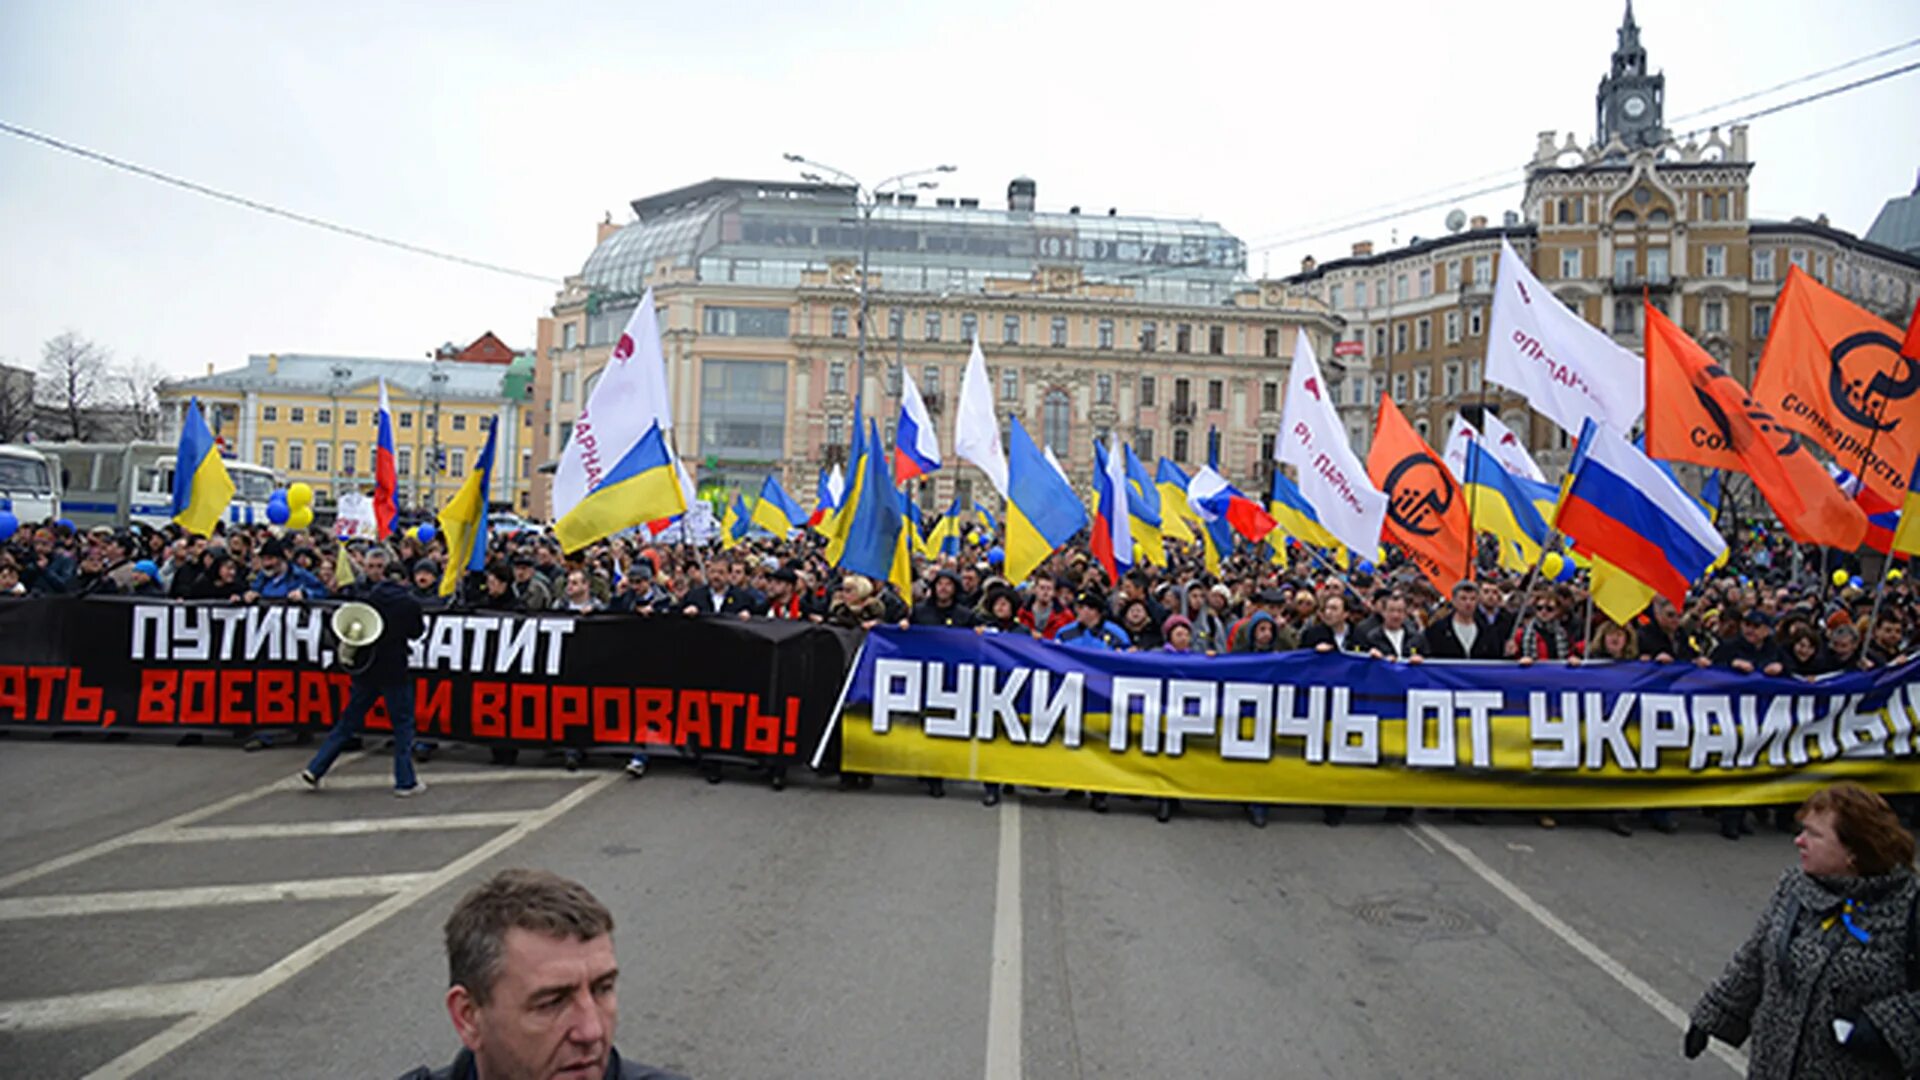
{"points": [[504, 132]]}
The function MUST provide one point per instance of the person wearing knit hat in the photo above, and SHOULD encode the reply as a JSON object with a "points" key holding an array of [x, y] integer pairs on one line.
{"points": [[1181, 642]]}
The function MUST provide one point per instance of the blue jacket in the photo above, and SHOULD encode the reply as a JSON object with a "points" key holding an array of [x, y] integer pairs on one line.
{"points": [[1106, 636], [295, 577]]}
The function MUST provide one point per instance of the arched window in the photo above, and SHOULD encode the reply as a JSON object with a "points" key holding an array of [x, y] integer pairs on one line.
{"points": [[1658, 217], [1625, 220], [1056, 421]]}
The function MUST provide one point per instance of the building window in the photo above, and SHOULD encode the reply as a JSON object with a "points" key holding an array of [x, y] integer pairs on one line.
{"points": [[1359, 294], [1057, 332], [566, 436], [1379, 341], [743, 419], [1146, 391], [1624, 262], [323, 457], [295, 457], [569, 335], [1763, 265], [270, 413], [566, 386], [1421, 427], [1483, 269], [1570, 263], [1009, 384], [1400, 337], [1335, 294], [1657, 271], [1426, 281], [1399, 386], [1473, 376], [1182, 338], [1010, 330], [1217, 340], [1474, 324], [931, 374], [1762, 320], [458, 468], [1149, 335], [933, 326], [1143, 444], [403, 460], [1422, 382], [1451, 378], [836, 430], [1216, 395], [459, 421], [836, 376], [349, 458], [1056, 420], [1270, 397], [1181, 442], [267, 453], [1400, 287], [1713, 260], [1798, 257], [323, 416], [350, 417], [1626, 315], [893, 379], [1333, 391], [1423, 334], [969, 328], [1453, 327], [406, 419], [1713, 317], [1270, 342], [1103, 390], [1820, 268], [1182, 395], [1106, 333], [896, 323], [840, 322], [1379, 387], [526, 468]]}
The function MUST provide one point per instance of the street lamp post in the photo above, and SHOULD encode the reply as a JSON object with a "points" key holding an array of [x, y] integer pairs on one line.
{"points": [[341, 373], [865, 200]]}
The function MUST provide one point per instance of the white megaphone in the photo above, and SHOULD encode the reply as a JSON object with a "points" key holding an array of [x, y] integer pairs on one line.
{"points": [[357, 626]]}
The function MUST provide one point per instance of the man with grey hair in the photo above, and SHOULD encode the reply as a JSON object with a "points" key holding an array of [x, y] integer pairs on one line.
{"points": [[532, 979]]}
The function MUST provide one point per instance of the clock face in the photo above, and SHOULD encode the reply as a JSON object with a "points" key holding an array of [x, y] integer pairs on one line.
{"points": [[1635, 105]]}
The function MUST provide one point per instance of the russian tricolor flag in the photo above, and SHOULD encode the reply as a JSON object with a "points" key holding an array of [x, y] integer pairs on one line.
{"points": [[916, 449], [1620, 506], [386, 474], [1210, 494], [1112, 532]]}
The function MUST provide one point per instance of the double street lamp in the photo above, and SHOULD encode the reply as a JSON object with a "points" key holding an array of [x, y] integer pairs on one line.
{"points": [[865, 199]]}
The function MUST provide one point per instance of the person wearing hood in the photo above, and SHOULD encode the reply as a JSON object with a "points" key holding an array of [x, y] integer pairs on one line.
{"points": [[1177, 635], [1208, 608], [1137, 620], [943, 606], [1828, 982], [1000, 612], [1261, 634]]}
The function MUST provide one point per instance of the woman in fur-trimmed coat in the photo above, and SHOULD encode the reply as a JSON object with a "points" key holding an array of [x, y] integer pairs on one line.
{"points": [[1828, 983]]}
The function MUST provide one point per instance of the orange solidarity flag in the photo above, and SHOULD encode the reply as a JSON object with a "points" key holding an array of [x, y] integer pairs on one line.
{"points": [[1697, 412], [1834, 373], [1426, 512]]}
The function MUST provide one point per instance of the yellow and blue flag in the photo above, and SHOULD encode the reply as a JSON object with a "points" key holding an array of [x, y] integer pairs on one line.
{"points": [[201, 487], [643, 487], [1296, 517], [735, 524], [875, 541], [1504, 506], [1906, 536], [1042, 510], [776, 511], [463, 521], [1176, 516], [1145, 516]]}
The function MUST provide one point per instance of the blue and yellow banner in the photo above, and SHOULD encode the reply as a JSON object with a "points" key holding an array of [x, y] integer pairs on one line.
{"points": [[1348, 730]]}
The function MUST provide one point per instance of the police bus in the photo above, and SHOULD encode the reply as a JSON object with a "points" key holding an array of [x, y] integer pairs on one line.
{"points": [[27, 489], [119, 484]]}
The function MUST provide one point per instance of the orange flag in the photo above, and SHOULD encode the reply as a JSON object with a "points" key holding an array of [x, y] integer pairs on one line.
{"points": [[1911, 350], [1697, 412], [1426, 511], [1833, 372]]}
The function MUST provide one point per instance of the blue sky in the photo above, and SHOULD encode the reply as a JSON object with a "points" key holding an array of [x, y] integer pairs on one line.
{"points": [[504, 132]]}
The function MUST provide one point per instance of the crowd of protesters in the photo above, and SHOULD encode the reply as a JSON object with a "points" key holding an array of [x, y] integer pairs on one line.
{"points": [[1770, 610]]}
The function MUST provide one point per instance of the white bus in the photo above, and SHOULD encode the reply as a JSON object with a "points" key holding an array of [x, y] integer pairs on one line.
{"points": [[126, 483], [27, 488]]}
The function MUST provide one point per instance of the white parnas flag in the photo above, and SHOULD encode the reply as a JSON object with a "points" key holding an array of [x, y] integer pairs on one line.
{"points": [[1313, 442], [1566, 367], [1508, 450], [630, 397], [976, 432]]}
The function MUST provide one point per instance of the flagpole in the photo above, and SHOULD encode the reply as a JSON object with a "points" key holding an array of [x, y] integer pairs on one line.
{"points": [[686, 526], [1473, 527]]}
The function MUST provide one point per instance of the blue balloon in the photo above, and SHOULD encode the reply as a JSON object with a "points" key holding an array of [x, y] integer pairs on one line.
{"points": [[65, 523], [278, 512], [996, 556], [278, 497], [427, 533], [8, 525], [1855, 583]]}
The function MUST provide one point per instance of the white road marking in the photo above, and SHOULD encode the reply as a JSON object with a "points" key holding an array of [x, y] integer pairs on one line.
{"points": [[498, 819], [149, 1002], [140, 836], [224, 1004], [1417, 838], [204, 896], [1639, 987], [501, 775], [1005, 984]]}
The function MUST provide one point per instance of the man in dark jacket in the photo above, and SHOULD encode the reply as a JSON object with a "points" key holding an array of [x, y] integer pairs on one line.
{"points": [[1462, 635], [1331, 632], [1393, 638], [719, 595], [1754, 649], [533, 972], [943, 608], [385, 677], [1664, 640]]}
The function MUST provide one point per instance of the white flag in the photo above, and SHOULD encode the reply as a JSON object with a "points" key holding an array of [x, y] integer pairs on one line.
{"points": [[1312, 441], [1508, 450], [976, 431], [1455, 454], [630, 398], [1567, 368], [1120, 529]]}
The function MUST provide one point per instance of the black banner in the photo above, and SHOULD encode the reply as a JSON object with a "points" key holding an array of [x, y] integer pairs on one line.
{"points": [[707, 687]]}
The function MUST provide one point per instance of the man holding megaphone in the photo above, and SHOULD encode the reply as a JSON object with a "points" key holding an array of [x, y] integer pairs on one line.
{"points": [[372, 633]]}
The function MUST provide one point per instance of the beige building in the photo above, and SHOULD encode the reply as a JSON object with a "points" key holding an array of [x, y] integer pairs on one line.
{"points": [[1633, 212], [1090, 324]]}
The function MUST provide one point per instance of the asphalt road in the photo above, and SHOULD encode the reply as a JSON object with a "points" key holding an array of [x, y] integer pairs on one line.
{"points": [[187, 912]]}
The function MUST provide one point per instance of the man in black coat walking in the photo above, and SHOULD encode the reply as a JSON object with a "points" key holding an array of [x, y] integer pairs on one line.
{"points": [[1463, 634], [385, 677]]}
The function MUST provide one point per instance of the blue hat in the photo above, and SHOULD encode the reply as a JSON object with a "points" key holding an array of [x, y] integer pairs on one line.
{"points": [[146, 566]]}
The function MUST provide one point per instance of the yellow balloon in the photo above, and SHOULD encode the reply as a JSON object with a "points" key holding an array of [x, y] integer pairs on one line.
{"points": [[1553, 564], [1895, 574], [299, 495], [1840, 578], [300, 518]]}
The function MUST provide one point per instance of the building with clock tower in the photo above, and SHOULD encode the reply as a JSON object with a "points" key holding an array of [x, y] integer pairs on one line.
{"points": [[1630, 102]]}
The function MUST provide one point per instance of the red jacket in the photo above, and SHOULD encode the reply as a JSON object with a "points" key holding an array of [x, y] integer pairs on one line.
{"points": [[1061, 617]]}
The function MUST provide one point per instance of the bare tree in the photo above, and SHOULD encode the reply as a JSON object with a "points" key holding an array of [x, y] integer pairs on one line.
{"points": [[73, 378], [16, 403], [136, 384]]}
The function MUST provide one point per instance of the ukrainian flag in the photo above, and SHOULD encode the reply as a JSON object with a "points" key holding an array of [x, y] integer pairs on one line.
{"points": [[776, 511], [1042, 510], [875, 540], [834, 528], [201, 487], [1505, 507], [1906, 537], [1175, 514], [734, 526], [1145, 515], [463, 521], [643, 487], [1295, 515]]}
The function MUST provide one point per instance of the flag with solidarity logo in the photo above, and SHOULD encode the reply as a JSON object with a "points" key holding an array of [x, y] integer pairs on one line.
{"points": [[1697, 412], [1426, 515], [1331, 477], [1565, 366]]}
